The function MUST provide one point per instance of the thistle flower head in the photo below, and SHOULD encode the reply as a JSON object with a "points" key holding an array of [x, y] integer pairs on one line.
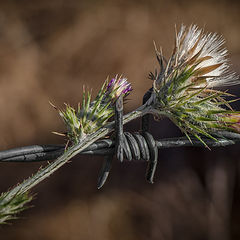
{"points": [[118, 86], [184, 88], [93, 114]]}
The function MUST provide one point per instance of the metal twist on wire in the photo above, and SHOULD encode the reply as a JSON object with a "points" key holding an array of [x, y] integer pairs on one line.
{"points": [[135, 146], [132, 146]]}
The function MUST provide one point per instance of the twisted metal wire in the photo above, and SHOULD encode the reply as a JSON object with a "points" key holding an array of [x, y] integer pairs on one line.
{"points": [[36, 153], [136, 146]]}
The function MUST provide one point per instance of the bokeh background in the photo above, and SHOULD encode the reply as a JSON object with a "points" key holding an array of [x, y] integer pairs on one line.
{"points": [[48, 50]]}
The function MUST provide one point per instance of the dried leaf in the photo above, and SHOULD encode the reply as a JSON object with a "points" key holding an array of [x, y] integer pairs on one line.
{"points": [[193, 60], [202, 59], [206, 70]]}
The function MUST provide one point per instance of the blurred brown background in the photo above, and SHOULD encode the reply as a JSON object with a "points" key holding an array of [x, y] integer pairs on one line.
{"points": [[48, 50]]}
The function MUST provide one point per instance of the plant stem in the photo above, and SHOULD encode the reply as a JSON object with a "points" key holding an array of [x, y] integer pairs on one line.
{"points": [[70, 153]]}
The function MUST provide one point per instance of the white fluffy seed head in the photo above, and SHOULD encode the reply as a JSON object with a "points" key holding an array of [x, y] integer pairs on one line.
{"points": [[191, 41]]}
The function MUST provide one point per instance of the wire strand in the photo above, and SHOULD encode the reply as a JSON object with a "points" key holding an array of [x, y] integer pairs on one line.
{"points": [[37, 153]]}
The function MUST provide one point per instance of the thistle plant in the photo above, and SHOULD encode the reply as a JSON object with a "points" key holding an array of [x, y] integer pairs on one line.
{"points": [[185, 89], [92, 115]]}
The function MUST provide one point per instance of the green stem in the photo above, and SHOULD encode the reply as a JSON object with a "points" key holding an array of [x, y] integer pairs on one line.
{"points": [[70, 153]]}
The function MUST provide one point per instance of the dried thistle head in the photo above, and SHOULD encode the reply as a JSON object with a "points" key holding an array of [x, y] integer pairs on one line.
{"points": [[93, 114], [185, 87]]}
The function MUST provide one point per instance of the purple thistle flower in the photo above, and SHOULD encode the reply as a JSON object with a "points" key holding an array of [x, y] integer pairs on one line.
{"points": [[118, 86]]}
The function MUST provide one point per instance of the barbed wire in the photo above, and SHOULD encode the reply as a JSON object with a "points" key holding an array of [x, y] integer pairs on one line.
{"points": [[37, 153]]}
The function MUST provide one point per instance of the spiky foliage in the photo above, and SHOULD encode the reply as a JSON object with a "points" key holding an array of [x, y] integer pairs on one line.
{"points": [[184, 89], [13, 206], [91, 115], [233, 121]]}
